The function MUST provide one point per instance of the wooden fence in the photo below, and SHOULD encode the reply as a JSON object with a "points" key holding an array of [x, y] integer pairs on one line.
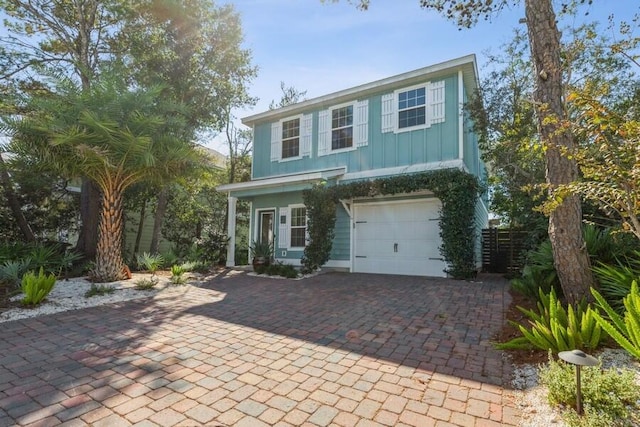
{"points": [[502, 250]]}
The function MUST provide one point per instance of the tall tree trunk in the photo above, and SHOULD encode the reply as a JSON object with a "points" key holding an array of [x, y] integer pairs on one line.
{"points": [[89, 216], [565, 222], [109, 264], [158, 219], [143, 213], [14, 203]]}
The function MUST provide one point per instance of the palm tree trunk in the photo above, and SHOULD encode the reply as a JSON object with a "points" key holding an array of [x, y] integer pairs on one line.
{"points": [[143, 213], [109, 264], [14, 203], [89, 216], [158, 219], [565, 222]]}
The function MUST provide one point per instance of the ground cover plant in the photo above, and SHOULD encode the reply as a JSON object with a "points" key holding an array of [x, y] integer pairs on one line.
{"points": [[556, 328], [610, 396], [36, 287]]}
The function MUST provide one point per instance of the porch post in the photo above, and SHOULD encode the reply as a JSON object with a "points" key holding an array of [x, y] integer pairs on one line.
{"points": [[231, 232]]}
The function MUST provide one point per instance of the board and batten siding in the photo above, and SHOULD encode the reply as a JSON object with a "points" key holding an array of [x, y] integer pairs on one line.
{"points": [[439, 142]]}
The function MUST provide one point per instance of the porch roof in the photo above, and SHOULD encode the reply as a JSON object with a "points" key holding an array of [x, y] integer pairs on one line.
{"points": [[284, 182]]}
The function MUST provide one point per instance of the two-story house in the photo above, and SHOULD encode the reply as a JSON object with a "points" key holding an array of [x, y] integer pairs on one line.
{"points": [[405, 124]]}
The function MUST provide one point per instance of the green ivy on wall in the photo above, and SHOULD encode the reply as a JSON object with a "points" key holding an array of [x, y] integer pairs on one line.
{"points": [[456, 189]]}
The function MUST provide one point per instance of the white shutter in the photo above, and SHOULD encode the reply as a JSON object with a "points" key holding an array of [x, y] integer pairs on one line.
{"points": [[276, 141], [283, 228], [437, 101], [361, 123], [324, 133], [387, 113], [305, 135]]}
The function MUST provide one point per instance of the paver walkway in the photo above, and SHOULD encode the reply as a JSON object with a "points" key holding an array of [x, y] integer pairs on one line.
{"points": [[337, 349]]}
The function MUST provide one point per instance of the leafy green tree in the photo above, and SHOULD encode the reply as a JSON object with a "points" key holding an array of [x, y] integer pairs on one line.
{"points": [[116, 136]]}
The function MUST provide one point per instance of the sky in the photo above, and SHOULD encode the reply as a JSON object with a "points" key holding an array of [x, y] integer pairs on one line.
{"points": [[324, 47]]}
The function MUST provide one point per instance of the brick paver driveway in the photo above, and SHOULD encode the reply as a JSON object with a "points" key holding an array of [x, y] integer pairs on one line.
{"points": [[337, 349]]}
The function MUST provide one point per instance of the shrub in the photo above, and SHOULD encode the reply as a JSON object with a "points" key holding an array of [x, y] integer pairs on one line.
{"points": [[624, 330], [539, 271], [284, 270], [609, 396], [615, 280], [12, 271], [177, 275], [36, 288], [150, 262], [96, 289], [556, 328], [146, 284]]}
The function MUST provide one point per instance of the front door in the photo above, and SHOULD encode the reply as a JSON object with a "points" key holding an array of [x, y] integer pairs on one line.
{"points": [[265, 231]]}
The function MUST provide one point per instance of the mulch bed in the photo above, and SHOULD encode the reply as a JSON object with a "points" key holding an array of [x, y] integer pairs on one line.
{"points": [[509, 331]]}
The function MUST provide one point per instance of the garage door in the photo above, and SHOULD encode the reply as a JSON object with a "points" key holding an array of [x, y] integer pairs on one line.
{"points": [[398, 238]]}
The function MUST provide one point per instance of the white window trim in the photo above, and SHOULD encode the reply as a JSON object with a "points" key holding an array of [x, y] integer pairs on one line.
{"points": [[396, 112], [306, 225], [353, 127], [300, 132]]}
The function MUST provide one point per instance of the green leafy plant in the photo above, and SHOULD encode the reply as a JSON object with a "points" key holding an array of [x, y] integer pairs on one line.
{"points": [[280, 269], [624, 330], [609, 396], [12, 271], [96, 290], [36, 288], [556, 328], [150, 262], [177, 275], [146, 284], [615, 279], [262, 250]]}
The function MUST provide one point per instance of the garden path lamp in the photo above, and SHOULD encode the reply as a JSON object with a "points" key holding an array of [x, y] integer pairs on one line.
{"points": [[578, 358]]}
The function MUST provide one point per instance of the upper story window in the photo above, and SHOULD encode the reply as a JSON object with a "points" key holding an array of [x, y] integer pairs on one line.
{"points": [[412, 108], [291, 138], [342, 127]]}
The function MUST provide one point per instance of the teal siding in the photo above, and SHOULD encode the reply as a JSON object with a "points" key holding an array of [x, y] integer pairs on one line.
{"points": [[342, 240], [436, 143]]}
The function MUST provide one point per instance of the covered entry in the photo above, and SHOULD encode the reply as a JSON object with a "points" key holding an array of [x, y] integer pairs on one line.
{"points": [[399, 237]]}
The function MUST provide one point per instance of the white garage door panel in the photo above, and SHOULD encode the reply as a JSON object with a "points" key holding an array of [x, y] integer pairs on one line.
{"points": [[398, 238]]}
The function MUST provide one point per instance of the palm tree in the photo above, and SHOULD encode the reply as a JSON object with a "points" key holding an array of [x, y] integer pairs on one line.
{"points": [[114, 135]]}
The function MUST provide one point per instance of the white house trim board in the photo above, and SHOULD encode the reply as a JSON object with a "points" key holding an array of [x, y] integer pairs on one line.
{"points": [[283, 180], [231, 232], [400, 170], [460, 115]]}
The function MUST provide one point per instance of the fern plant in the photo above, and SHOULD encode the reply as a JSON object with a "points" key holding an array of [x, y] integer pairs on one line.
{"points": [[624, 330], [556, 328], [36, 288]]}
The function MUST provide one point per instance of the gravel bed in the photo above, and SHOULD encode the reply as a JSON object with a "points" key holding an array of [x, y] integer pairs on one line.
{"points": [[69, 294]]}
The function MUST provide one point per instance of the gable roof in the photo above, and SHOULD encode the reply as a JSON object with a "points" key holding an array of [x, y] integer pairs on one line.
{"points": [[467, 64]]}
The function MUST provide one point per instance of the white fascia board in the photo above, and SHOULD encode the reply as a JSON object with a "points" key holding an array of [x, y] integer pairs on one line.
{"points": [[283, 180], [468, 63], [405, 170]]}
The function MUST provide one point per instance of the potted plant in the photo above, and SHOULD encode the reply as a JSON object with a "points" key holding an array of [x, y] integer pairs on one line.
{"points": [[262, 253]]}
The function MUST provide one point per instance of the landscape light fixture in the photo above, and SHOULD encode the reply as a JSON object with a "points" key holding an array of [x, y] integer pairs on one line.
{"points": [[578, 358]]}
